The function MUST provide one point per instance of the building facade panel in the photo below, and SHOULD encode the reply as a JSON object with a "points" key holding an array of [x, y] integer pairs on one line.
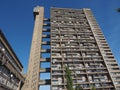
{"points": [[107, 55], [73, 44], [11, 77]]}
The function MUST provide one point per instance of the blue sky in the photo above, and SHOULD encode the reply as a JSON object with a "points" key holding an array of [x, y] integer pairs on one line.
{"points": [[17, 22]]}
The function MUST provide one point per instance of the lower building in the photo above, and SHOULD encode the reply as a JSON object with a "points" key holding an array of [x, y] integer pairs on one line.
{"points": [[11, 77]]}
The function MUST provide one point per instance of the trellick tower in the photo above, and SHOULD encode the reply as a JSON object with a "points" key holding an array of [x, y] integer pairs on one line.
{"points": [[32, 78], [77, 42]]}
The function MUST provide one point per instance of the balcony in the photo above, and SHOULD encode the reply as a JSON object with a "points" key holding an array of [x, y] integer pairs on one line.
{"points": [[7, 82]]}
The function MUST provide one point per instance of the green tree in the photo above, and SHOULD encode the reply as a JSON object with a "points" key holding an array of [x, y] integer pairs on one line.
{"points": [[68, 78], [93, 88], [70, 81], [78, 87]]}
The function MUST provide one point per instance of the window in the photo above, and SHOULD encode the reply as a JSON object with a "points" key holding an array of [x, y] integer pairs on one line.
{"points": [[45, 65], [44, 76], [44, 87]]}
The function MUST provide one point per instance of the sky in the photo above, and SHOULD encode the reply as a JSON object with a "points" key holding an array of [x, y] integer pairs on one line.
{"points": [[17, 22]]}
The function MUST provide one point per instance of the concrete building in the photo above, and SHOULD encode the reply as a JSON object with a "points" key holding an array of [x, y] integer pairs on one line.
{"points": [[11, 77], [74, 40]]}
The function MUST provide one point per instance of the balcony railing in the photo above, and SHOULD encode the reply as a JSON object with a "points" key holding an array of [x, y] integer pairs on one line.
{"points": [[8, 83]]}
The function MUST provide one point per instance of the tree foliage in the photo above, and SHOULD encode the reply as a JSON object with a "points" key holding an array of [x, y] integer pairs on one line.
{"points": [[93, 88], [78, 87], [70, 81], [68, 78]]}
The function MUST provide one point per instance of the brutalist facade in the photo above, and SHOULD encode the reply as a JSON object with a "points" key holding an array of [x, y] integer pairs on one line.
{"points": [[77, 42], [11, 77]]}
